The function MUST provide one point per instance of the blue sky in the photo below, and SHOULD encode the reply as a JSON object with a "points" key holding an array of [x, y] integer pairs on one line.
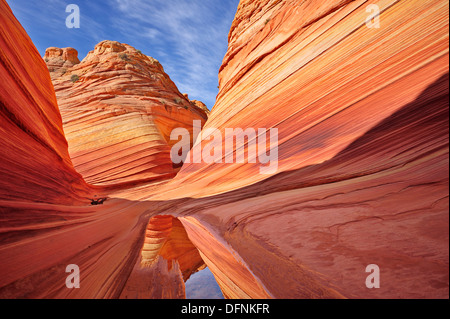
{"points": [[188, 37], [203, 285]]}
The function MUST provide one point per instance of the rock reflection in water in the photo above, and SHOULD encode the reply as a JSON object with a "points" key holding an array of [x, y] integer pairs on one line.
{"points": [[169, 259]]}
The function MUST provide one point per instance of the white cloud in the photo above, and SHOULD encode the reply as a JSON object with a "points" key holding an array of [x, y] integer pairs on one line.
{"points": [[46, 19], [151, 33], [189, 37], [191, 33]]}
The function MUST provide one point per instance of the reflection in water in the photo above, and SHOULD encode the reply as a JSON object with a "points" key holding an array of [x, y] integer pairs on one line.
{"points": [[203, 285], [170, 266]]}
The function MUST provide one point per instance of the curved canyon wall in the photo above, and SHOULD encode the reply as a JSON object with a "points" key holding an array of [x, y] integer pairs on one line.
{"points": [[47, 220], [318, 74], [118, 108], [362, 116], [34, 162]]}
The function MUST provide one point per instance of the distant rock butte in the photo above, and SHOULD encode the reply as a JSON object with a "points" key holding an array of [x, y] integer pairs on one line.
{"points": [[61, 58], [119, 108], [198, 104]]}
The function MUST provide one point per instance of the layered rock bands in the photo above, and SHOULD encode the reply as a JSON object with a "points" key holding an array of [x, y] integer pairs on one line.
{"points": [[362, 179]]}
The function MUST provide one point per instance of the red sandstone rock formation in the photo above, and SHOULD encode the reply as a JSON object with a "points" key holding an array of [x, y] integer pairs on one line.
{"points": [[198, 104], [59, 60], [34, 163], [363, 176], [119, 108], [362, 116]]}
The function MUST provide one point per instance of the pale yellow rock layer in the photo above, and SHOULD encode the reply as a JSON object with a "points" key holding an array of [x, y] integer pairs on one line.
{"points": [[119, 108]]}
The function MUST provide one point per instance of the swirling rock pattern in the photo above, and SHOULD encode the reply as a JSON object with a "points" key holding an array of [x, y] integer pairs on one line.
{"points": [[317, 73], [34, 162], [119, 108], [362, 115]]}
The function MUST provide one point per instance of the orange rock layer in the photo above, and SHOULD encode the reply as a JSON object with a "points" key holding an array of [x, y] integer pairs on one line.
{"points": [[319, 75], [34, 162], [119, 108], [362, 116]]}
